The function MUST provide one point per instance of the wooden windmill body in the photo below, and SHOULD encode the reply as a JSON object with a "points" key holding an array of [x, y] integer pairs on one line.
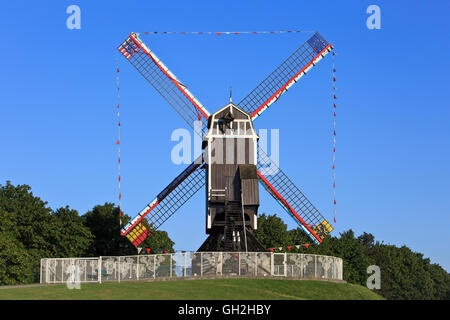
{"points": [[231, 181]]}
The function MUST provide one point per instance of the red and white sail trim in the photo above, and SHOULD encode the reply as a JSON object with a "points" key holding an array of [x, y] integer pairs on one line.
{"points": [[289, 209], [161, 216], [293, 80], [170, 75], [218, 33]]}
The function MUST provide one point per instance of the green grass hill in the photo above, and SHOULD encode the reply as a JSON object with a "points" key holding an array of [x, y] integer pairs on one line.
{"points": [[216, 289]]}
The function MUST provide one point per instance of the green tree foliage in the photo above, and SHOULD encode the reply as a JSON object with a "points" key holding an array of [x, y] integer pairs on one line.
{"points": [[28, 221], [158, 241], [404, 274], [352, 251], [272, 231], [103, 222], [34, 231], [15, 264], [30, 231], [73, 237], [407, 275]]}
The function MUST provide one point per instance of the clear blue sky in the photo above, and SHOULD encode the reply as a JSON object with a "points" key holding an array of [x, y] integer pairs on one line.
{"points": [[58, 115]]}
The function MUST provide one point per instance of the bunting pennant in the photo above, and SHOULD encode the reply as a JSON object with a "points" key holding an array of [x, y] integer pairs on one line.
{"points": [[334, 137], [297, 246], [218, 33], [118, 143]]}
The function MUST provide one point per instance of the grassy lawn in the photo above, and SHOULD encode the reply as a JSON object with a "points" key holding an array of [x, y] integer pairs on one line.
{"points": [[217, 289]]}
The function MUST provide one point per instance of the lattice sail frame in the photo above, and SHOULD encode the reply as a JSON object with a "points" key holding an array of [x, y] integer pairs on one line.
{"points": [[288, 73], [168, 201], [164, 81], [276, 182], [289, 196], [193, 178]]}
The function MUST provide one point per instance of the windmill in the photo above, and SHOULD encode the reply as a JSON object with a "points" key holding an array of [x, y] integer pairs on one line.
{"points": [[232, 164]]}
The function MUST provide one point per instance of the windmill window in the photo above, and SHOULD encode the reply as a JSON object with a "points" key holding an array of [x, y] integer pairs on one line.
{"points": [[241, 128], [235, 125]]}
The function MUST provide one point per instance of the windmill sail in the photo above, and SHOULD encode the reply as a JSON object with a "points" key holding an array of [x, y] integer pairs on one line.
{"points": [[288, 73], [164, 81], [289, 196], [168, 201], [183, 187]]}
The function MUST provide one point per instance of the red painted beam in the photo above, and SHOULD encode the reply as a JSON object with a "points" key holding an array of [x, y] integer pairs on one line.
{"points": [[288, 206], [171, 79], [287, 83]]}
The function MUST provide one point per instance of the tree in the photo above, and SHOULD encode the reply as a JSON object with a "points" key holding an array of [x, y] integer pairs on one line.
{"points": [[440, 281], [272, 231], [103, 223], [298, 236], [352, 252], [347, 247], [30, 230], [27, 219], [73, 237], [33, 231], [158, 241], [367, 240], [15, 264], [407, 275]]}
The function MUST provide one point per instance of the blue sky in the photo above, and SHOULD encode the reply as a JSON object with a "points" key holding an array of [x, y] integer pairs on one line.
{"points": [[58, 115]]}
